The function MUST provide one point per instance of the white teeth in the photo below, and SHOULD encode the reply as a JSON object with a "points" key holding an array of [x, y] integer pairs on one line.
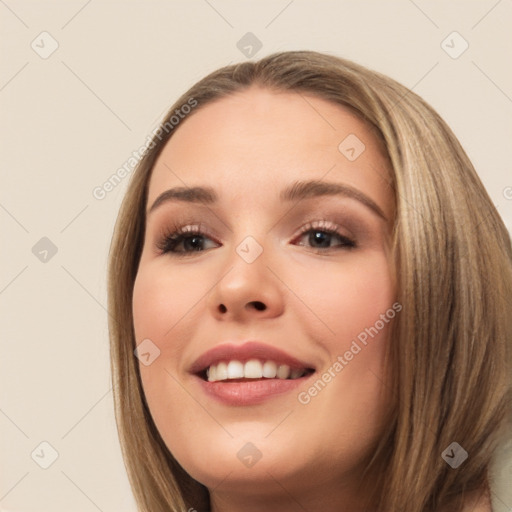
{"points": [[283, 372], [222, 371], [252, 369], [212, 371], [269, 369], [235, 370]]}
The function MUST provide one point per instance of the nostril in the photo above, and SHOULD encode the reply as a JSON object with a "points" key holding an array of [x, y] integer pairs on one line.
{"points": [[256, 304], [259, 305]]}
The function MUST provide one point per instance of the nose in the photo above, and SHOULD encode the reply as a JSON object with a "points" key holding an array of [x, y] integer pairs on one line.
{"points": [[247, 291]]}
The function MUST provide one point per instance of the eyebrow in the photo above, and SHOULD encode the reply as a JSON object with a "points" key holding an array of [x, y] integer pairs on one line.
{"points": [[316, 188], [296, 191]]}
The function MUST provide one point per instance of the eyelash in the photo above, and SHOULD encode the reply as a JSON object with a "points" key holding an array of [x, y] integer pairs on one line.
{"points": [[171, 239]]}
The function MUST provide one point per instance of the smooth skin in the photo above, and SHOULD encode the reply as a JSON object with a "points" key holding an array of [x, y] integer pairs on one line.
{"points": [[317, 292]]}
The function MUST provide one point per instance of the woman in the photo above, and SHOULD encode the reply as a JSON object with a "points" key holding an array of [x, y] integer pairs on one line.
{"points": [[310, 294]]}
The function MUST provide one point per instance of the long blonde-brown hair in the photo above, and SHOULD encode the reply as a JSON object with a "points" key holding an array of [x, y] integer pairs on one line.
{"points": [[451, 353]]}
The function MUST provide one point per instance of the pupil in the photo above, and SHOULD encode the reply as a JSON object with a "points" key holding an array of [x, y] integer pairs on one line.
{"points": [[194, 242], [320, 236]]}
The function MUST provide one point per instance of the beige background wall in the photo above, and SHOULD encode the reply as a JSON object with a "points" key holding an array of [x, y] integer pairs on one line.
{"points": [[71, 118]]}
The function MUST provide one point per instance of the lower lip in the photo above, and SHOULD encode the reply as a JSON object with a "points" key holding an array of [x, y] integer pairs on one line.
{"points": [[250, 392]]}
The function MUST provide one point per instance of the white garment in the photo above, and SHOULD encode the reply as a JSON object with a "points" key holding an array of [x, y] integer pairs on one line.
{"points": [[501, 478]]}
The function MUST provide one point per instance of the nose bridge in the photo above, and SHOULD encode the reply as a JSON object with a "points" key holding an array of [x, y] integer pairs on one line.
{"points": [[250, 249], [248, 264], [250, 236]]}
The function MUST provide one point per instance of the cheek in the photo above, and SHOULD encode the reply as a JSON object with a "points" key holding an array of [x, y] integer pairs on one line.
{"points": [[161, 299], [350, 298], [163, 306]]}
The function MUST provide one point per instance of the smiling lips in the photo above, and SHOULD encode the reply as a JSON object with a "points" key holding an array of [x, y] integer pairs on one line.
{"points": [[248, 374]]}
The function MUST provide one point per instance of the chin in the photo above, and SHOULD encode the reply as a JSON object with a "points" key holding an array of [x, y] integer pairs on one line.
{"points": [[242, 461]]}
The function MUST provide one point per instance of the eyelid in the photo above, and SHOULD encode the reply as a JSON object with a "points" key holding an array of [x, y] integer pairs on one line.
{"points": [[320, 224], [199, 227], [176, 227]]}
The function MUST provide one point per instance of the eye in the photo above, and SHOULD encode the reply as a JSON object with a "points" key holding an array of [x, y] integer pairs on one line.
{"points": [[320, 235], [183, 240]]}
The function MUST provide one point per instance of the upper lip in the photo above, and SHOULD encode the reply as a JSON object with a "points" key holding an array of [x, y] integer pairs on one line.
{"points": [[245, 352]]}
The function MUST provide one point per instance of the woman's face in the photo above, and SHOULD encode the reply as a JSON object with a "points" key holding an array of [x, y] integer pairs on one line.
{"points": [[280, 285]]}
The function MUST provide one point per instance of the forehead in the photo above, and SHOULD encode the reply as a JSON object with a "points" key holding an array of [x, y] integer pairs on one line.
{"points": [[253, 143]]}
